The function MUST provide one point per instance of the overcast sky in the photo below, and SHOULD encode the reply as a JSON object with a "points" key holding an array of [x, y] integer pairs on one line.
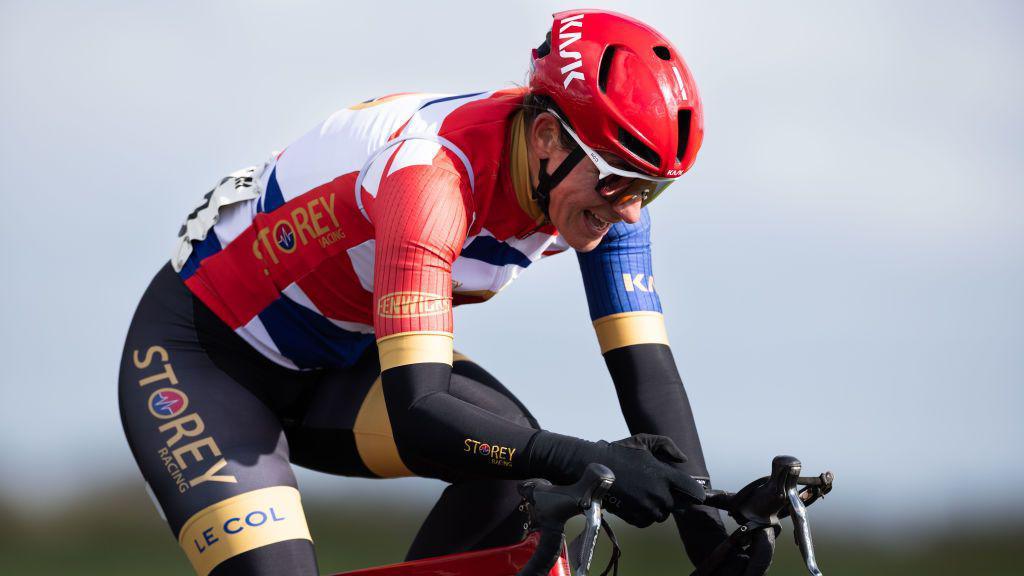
{"points": [[842, 272]]}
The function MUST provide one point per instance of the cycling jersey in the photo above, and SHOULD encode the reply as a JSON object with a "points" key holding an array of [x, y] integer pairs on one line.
{"points": [[287, 254]]}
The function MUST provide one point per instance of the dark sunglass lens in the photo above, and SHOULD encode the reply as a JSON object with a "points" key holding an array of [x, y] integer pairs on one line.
{"points": [[612, 185]]}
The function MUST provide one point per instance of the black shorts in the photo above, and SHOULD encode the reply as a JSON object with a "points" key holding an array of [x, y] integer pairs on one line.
{"points": [[214, 426]]}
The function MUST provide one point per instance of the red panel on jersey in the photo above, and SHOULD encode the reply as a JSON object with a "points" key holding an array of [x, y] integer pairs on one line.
{"points": [[421, 219], [279, 248]]}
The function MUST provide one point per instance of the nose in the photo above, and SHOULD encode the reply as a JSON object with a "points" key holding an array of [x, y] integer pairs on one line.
{"points": [[630, 213]]}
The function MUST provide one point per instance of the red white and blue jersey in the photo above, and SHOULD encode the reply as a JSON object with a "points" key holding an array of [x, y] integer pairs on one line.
{"points": [[376, 223]]}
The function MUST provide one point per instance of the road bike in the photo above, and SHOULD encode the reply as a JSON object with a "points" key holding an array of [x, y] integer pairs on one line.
{"points": [[758, 508]]}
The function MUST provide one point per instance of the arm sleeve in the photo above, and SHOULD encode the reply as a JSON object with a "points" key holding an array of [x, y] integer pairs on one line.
{"points": [[626, 312], [627, 316], [421, 219]]}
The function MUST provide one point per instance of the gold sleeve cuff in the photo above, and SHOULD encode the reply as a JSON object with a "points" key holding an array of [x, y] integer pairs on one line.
{"points": [[415, 348], [629, 328]]}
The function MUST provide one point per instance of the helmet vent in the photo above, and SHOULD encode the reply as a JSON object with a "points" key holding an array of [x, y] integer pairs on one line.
{"points": [[684, 133], [545, 48], [629, 142], [606, 65], [662, 52]]}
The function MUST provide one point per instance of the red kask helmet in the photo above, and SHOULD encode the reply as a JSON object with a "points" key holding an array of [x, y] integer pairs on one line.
{"points": [[623, 88]]}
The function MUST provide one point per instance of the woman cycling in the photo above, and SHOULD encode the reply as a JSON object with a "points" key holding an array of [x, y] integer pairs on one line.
{"points": [[305, 316]]}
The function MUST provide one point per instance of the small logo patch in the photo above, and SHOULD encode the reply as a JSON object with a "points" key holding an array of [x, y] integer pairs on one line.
{"points": [[495, 454], [412, 304], [284, 236], [167, 403]]}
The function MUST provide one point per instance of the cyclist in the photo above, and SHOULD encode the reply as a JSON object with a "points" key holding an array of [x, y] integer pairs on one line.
{"points": [[305, 316]]}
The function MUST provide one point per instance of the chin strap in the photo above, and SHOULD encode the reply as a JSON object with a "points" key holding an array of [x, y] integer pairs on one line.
{"points": [[547, 182]]}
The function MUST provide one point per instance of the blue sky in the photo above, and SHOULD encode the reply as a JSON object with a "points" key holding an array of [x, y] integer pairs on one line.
{"points": [[842, 272]]}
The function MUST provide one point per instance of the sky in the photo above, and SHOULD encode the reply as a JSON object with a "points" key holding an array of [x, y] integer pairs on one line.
{"points": [[842, 271]]}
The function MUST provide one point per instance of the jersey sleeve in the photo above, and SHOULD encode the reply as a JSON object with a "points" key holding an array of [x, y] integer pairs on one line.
{"points": [[420, 217], [619, 282]]}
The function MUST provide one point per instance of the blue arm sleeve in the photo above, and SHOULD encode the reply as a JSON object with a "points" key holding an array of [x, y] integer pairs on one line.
{"points": [[617, 275]]}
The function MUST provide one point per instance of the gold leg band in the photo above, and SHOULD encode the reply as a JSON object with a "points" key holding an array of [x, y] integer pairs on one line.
{"points": [[242, 523]]}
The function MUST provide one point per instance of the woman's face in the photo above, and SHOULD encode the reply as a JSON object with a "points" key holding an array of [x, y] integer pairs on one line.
{"points": [[581, 215]]}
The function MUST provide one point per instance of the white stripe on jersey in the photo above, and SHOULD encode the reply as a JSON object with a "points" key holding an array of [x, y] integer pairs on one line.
{"points": [[429, 119], [362, 257], [423, 128], [418, 156], [414, 152], [256, 335], [534, 245], [472, 275], [341, 144], [352, 326]]}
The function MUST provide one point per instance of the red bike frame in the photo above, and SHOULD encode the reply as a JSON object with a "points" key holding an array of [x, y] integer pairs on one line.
{"points": [[504, 561]]}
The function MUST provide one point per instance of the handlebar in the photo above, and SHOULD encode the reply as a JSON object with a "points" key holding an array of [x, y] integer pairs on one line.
{"points": [[552, 506], [758, 508], [760, 505]]}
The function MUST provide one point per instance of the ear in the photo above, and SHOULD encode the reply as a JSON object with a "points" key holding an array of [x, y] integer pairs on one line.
{"points": [[544, 135]]}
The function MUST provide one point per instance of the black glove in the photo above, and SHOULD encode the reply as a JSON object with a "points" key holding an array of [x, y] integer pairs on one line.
{"points": [[647, 486]]}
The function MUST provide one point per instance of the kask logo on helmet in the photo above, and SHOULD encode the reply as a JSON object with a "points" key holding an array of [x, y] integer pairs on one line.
{"points": [[569, 71]]}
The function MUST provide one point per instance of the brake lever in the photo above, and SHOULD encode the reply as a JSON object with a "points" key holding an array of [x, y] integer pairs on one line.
{"points": [[552, 506], [802, 531], [814, 489], [590, 533], [763, 503]]}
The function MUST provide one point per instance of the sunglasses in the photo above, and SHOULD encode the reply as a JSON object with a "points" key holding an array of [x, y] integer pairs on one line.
{"points": [[618, 186]]}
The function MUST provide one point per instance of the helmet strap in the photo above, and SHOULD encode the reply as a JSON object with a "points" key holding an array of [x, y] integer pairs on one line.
{"points": [[547, 182]]}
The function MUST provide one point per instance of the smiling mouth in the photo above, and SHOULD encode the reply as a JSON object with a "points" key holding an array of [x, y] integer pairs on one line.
{"points": [[595, 223]]}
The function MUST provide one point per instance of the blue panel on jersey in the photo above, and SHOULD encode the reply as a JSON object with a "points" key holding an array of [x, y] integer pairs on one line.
{"points": [[493, 251], [447, 98], [617, 274], [309, 339], [200, 251], [272, 199]]}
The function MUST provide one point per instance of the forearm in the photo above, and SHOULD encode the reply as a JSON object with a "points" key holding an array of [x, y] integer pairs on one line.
{"points": [[653, 400], [439, 433]]}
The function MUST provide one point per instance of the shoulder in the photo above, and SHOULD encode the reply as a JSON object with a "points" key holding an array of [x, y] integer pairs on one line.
{"points": [[420, 170]]}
